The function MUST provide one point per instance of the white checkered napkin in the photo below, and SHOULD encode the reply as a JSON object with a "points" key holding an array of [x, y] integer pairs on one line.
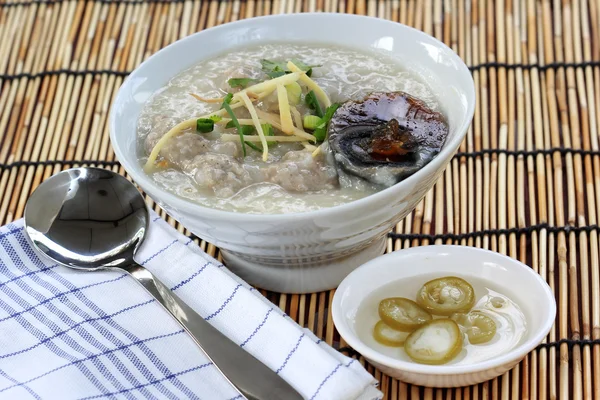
{"points": [[67, 334]]}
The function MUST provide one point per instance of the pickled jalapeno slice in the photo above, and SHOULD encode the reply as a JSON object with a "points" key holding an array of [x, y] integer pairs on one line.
{"points": [[479, 327], [388, 336], [446, 296], [436, 342], [402, 314]]}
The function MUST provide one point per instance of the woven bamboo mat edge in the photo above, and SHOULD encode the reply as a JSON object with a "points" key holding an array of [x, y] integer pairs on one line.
{"points": [[536, 65]]}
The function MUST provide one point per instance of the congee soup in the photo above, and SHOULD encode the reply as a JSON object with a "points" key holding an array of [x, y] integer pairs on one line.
{"points": [[285, 128]]}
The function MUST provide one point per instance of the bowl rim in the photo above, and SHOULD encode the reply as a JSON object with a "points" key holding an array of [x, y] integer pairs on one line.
{"points": [[191, 207], [517, 353]]}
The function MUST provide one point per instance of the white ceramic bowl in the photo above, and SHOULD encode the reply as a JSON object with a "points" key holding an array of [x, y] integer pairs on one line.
{"points": [[312, 251], [503, 274]]}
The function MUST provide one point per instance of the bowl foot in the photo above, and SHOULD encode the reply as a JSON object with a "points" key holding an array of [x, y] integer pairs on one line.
{"points": [[298, 279]]}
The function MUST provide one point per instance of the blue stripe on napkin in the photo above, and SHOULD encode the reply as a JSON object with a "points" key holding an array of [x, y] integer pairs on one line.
{"points": [[38, 288], [68, 334]]}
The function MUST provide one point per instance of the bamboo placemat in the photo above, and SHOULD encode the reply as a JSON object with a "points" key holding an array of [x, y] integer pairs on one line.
{"points": [[526, 181]]}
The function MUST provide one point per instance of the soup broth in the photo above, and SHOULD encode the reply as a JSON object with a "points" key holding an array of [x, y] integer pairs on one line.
{"points": [[209, 170]]}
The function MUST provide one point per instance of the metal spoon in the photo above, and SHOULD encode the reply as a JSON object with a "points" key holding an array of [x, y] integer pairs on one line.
{"points": [[90, 219]]}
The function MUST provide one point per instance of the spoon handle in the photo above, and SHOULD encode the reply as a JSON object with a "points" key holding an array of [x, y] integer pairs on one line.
{"points": [[250, 377]]}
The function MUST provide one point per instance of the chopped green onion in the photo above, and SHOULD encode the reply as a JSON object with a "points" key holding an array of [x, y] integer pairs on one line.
{"points": [[311, 122], [235, 121], [246, 129], [268, 131], [216, 118], [249, 129], [253, 146], [205, 125], [313, 103], [294, 92], [320, 134], [227, 99], [320, 131], [241, 82]]}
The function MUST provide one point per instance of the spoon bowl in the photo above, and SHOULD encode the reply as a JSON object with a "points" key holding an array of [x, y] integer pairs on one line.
{"points": [[90, 219], [87, 218]]}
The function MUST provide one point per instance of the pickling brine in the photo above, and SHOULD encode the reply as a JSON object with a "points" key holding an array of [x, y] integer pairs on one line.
{"points": [[455, 321]]}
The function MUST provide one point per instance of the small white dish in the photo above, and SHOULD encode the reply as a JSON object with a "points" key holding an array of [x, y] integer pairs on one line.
{"points": [[505, 275]]}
